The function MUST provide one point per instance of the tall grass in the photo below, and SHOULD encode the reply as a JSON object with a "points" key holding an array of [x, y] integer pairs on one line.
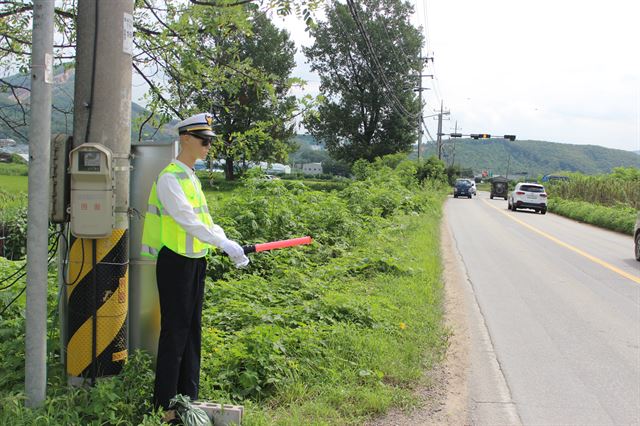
{"points": [[622, 187]]}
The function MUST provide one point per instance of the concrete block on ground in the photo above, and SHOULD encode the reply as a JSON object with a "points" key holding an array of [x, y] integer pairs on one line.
{"points": [[222, 414]]}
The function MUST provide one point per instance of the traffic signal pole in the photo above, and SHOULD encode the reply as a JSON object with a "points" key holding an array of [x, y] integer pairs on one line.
{"points": [[97, 293], [38, 207]]}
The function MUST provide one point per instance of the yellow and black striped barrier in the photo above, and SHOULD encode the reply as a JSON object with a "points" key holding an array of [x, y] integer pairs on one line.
{"points": [[97, 305]]}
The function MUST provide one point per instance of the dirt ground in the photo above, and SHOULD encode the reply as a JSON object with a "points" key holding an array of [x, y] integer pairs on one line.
{"points": [[445, 402]]}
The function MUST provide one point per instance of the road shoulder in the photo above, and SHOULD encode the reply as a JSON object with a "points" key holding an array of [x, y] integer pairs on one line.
{"points": [[444, 396]]}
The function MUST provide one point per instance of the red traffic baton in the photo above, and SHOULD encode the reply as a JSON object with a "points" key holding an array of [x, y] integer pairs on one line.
{"points": [[274, 245]]}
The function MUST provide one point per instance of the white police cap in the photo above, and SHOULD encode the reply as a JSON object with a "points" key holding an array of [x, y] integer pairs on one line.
{"points": [[199, 124]]}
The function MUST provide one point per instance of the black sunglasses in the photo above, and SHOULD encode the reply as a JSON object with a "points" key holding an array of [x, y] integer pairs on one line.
{"points": [[206, 141]]}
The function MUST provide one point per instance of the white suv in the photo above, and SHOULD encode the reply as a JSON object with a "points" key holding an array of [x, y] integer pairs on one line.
{"points": [[528, 196]]}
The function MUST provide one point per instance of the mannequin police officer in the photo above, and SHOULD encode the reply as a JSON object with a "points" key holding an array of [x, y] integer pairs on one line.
{"points": [[178, 232]]}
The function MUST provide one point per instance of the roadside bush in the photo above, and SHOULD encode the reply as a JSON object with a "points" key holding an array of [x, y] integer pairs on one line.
{"points": [[431, 169], [13, 230]]}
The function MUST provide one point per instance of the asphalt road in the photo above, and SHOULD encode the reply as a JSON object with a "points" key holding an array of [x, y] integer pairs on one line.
{"points": [[558, 303]]}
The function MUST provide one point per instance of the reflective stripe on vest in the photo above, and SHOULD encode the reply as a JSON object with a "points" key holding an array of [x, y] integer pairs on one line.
{"points": [[161, 230]]}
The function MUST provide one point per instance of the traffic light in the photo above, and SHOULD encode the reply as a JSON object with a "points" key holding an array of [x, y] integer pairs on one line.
{"points": [[510, 137], [480, 136], [456, 135]]}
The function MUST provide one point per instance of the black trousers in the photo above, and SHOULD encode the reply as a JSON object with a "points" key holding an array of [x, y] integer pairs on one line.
{"points": [[181, 289]]}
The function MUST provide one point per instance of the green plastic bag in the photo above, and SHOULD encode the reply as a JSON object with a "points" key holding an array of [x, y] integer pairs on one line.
{"points": [[187, 413]]}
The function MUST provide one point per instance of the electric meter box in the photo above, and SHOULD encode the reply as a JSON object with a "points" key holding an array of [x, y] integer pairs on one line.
{"points": [[92, 194]]}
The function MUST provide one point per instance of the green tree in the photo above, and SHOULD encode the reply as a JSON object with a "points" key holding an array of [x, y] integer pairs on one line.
{"points": [[254, 116], [369, 108], [162, 29]]}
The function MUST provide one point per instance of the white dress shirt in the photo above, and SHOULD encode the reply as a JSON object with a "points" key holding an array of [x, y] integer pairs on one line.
{"points": [[175, 203]]}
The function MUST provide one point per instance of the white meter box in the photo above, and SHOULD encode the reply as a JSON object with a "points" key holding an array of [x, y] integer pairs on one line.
{"points": [[92, 191]]}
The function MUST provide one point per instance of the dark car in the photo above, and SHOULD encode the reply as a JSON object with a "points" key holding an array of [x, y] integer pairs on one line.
{"points": [[499, 188], [636, 237], [462, 189]]}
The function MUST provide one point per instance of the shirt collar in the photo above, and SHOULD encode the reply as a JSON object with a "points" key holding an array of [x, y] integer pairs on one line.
{"points": [[183, 166]]}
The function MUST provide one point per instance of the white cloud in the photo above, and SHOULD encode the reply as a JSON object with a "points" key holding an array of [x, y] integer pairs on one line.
{"points": [[561, 71]]}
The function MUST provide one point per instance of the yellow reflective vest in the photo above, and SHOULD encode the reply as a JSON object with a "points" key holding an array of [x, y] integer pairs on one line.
{"points": [[161, 230]]}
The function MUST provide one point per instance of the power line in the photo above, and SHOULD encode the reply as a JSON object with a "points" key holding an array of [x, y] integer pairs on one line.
{"points": [[371, 73], [381, 74]]}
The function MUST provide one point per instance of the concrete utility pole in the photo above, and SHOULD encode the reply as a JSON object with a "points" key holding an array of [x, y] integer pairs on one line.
{"points": [[102, 114], [420, 116], [420, 89], [38, 209], [440, 115]]}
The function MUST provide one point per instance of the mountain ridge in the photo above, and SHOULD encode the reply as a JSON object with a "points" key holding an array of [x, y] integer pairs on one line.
{"points": [[532, 157]]}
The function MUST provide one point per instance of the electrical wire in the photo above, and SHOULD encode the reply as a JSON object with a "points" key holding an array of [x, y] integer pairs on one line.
{"points": [[368, 69], [365, 36], [13, 300], [93, 72], [23, 266], [52, 252]]}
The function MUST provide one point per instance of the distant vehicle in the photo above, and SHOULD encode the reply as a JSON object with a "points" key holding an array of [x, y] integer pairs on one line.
{"points": [[200, 165], [472, 182], [462, 189], [528, 196], [556, 178], [499, 187], [270, 177], [636, 237]]}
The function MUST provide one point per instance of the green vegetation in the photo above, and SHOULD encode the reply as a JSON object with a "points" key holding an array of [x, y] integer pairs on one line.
{"points": [[13, 169], [332, 333], [620, 218], [534, 158], [621, 187], [13, 184], [610, 201], [356, 117]]}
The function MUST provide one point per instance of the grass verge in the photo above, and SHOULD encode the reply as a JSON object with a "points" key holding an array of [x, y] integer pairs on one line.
{"points": [[620, 218]]}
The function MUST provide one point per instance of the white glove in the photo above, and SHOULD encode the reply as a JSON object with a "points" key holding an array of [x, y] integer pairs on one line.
{"points": [[241, 262], [235, 253]]}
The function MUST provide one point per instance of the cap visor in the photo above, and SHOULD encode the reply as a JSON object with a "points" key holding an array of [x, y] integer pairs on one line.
{"points": [[207, 133]]}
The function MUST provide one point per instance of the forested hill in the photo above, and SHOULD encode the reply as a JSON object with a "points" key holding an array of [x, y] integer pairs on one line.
{"points": [[534, 157]]}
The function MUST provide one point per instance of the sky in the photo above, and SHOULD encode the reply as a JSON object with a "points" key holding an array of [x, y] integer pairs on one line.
{"points": [[555, 70]]}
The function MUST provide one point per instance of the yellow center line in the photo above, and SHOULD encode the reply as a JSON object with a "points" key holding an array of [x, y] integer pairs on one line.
{"points": [[594, 259]]}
